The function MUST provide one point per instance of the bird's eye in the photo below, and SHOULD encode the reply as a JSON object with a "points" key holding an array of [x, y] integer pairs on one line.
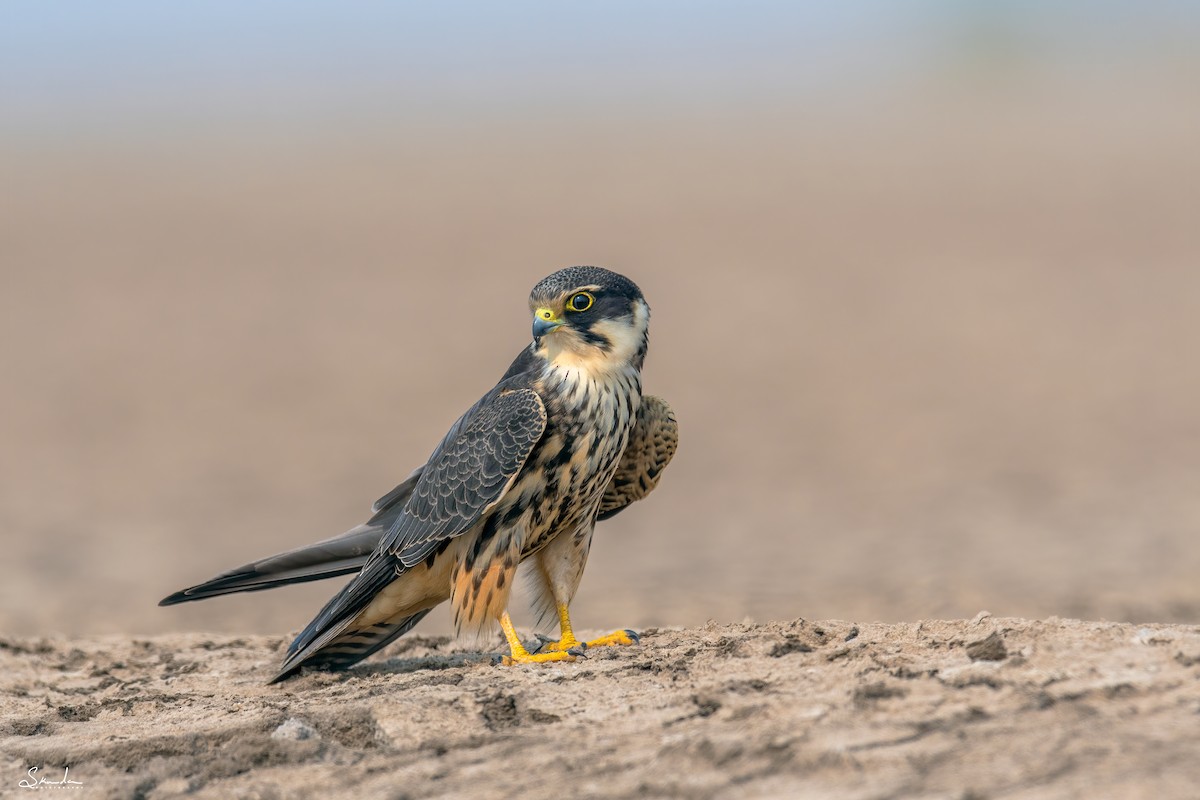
{"points": [[580, 302]]}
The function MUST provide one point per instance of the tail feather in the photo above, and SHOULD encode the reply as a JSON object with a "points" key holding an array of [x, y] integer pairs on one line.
{"points": [[341, 555], [338, 615], [347, 649]]}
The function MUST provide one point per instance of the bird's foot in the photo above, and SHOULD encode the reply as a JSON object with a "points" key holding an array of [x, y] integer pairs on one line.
{"points": [[616, 639], [519, 655], [525, 657], [568, 643]]}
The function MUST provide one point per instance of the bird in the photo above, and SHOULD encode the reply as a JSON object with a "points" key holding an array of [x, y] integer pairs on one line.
{"points": [[566, 438]]}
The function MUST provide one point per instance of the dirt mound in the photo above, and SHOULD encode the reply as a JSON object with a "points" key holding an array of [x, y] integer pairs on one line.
{"points": [[960, 709]]}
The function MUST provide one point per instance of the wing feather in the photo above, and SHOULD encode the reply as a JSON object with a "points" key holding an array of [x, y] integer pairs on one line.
{"points": [[651, 447], [396, 497], [466, 476]]}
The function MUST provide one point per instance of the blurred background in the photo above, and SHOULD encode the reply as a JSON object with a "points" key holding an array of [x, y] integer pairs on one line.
{"points": [[925, 280]]}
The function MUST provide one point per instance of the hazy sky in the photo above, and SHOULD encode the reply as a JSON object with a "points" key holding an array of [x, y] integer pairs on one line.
{"points": [[92, 63]]}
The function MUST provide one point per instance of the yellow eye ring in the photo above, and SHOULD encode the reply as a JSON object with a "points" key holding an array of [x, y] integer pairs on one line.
{"points": [[580, 301]]}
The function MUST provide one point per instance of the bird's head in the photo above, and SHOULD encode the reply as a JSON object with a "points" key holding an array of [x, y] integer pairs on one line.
{"points": [[589, 318]]}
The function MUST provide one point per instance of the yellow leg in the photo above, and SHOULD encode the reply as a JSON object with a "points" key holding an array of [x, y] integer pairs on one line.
{"points": [[567, 641], [518, 653]]}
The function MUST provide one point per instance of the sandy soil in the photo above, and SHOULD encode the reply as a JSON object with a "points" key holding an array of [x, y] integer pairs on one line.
{"points": [[986, 708]]}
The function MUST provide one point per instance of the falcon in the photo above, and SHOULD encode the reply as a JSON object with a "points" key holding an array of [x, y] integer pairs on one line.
{"points": [[566, 438]]}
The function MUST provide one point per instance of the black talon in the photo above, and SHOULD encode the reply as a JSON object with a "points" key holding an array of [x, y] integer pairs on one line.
{"points": [[578, 652], [633, 635]]}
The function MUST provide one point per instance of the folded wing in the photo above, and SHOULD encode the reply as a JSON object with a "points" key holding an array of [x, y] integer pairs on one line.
{"points": [[651, 447], [466, 476]]}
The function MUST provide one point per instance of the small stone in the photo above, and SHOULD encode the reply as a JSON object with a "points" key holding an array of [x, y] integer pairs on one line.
{"points": [[788, 646], [990, 649], [295, 730]]}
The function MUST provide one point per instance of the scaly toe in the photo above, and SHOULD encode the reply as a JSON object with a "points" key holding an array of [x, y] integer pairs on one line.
{"points": [[549, 645], [536, 658], [617, 638]]}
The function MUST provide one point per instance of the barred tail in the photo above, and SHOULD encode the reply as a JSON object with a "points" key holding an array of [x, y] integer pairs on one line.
{"points": [[353, 646]]}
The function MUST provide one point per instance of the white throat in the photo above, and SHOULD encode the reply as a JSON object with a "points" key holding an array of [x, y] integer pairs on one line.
{"points": [[625, 336]]}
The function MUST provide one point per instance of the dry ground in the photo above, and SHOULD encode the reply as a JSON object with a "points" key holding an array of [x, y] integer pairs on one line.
{"points": [[969, 710]]}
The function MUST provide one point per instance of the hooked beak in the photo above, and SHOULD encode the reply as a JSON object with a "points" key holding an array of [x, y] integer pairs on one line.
{"points": [[544, 321]]}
